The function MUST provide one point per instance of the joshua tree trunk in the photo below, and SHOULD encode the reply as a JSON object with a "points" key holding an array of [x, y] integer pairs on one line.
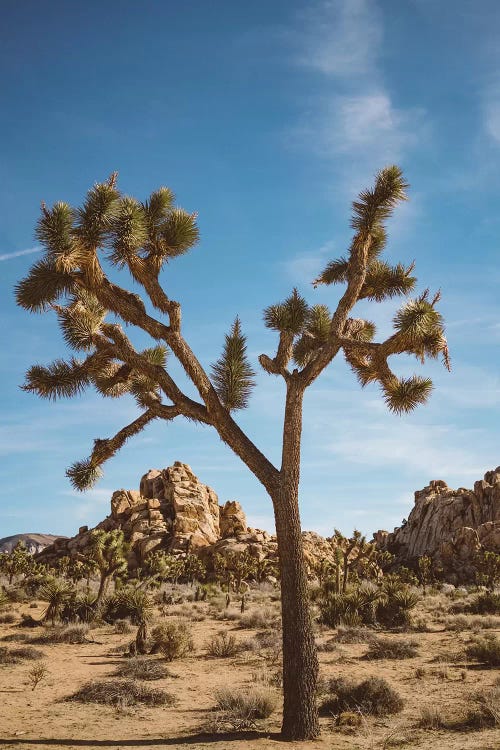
{"points": [[103, 584], [300, 662]]}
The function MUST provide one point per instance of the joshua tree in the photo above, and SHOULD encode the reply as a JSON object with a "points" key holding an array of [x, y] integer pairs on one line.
{"points": [[107, 550], [16, 562], [139, 606], [72, 281], [425, 571]]}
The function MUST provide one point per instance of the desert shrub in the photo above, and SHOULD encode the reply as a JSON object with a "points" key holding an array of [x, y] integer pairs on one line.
{"points": [[486, 603], [356, 606], [394, 610], [223, 645], [431, 718], [172, 639], [387, 648], [371, 696], [485, 649], [471, 622], [7, 618], [485, 709], [142, 668], [63, 634], [122, 626], [354, 635], [37, 674], [119, 692], [327, 646], [16, 655], [16, 638], [241, 708], [16, 595], [260, 619]]}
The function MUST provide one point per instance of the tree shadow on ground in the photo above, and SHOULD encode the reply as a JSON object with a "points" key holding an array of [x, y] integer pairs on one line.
{"points": [[192, 739]]}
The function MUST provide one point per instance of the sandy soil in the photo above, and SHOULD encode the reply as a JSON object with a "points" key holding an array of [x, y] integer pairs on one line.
{"points": [[42, 719]]}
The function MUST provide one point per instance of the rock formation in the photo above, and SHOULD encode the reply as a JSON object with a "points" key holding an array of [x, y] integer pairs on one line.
{"points": [[450, 526], [173, 511]]}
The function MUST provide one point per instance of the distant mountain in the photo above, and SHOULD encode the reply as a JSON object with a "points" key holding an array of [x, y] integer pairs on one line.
{"points": [[34, 542]]}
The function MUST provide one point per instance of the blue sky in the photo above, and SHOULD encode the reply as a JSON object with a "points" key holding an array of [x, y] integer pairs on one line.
{"points": [[266, 118]]}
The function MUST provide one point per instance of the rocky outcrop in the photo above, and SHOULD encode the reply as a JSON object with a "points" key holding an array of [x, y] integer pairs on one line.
{"points": [[172, 511], [450, 526]]}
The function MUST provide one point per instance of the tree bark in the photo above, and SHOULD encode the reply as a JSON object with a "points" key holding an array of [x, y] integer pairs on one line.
{"points": [[300, 662]]}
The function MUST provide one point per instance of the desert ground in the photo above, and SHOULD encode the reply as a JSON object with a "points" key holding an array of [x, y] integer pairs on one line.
{"points": [[438, 685]]}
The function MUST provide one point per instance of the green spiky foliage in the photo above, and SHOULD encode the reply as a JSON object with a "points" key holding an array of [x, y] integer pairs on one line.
{"points": [[107, 551], [232, 375], [140, 608], [56, 592], [17, 562]]}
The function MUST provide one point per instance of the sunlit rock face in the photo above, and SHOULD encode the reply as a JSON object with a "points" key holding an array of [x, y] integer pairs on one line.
{"points": [[450, 526]]}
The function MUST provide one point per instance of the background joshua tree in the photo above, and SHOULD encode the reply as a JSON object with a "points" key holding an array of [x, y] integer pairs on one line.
{"points": [[107, 550], [71, 280]]}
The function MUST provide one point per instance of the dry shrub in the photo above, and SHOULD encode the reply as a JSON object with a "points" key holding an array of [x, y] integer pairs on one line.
{"points": [[16, 638], [486, 709], [354, 635], [260, 619], [387, 648], [485, 649], [37, 674], [327, 646], [63, 634], [371, 696], [223, 645], [462, 622], [16, 655], [122, 626], [142, 668], [172, 639], [121, 692], [430, 718], [240, 709], [7, 618]]}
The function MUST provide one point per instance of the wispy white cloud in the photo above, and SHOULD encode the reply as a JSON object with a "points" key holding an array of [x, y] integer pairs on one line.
{"points": [[354, 120], [341, 37], [18, 253]]}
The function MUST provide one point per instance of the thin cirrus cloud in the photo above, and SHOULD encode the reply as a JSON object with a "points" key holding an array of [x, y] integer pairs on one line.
{"points": [[18, 253], [354, 115], [341, 37]]}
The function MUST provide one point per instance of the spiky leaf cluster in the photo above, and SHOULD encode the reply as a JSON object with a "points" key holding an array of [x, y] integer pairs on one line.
{"points": [[44, 286], [289, 316], [314, 335], [405, 394], [375, 205], [83, 474], [420, 329], [60, 379], [232, 375], [80, 320]]}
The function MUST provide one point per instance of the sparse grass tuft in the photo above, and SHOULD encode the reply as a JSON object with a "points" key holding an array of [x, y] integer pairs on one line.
{"points": [[486, 709], [259, 619], [142, 668], [122, 626], [63, 634], [122, 692], [371, 696], [354, 635], [431, 718], [7, 618], [240, 709], [485, 649], [223, 645], [388, 648], [17, 655]]}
